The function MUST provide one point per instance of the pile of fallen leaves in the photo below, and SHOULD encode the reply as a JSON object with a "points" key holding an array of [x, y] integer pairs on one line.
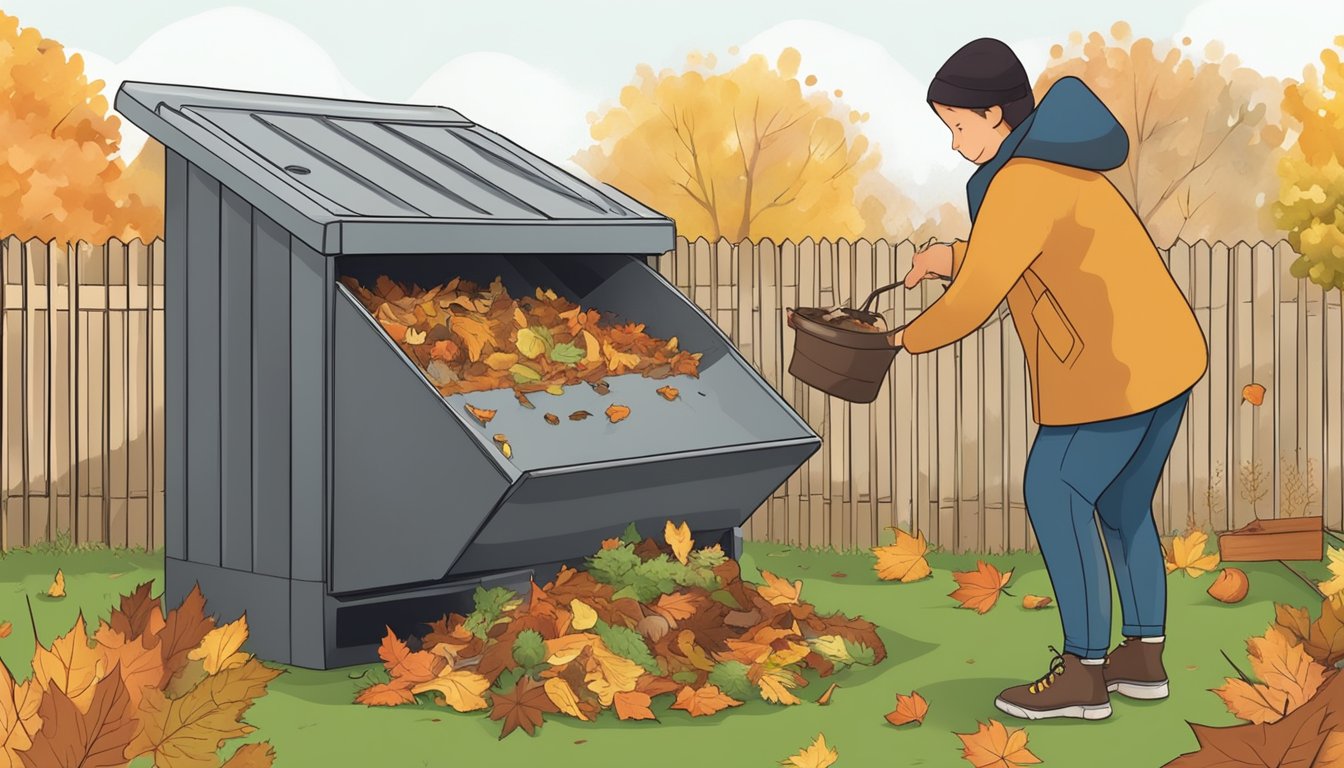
{"points": [[469, 339], [173, 688], [1293, 700], [643, 619]]}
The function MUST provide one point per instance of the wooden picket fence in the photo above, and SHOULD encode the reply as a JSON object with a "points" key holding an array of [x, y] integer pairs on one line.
{"points": [[942, 450]]}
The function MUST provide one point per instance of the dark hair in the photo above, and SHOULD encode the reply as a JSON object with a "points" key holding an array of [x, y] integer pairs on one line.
{"points": [[984, 73]]}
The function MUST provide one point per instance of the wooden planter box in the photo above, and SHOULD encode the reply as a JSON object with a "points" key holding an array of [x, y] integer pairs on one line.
{"points": [[1293, 538]]}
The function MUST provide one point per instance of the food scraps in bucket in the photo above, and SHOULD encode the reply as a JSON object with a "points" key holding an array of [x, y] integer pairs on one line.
{"points": [[840, 318]]}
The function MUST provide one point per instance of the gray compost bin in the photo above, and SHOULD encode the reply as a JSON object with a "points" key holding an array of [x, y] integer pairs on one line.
{"points": [[315, 478]]}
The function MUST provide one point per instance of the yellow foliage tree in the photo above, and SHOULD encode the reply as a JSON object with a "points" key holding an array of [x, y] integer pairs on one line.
{"points": [[60, 178], [1311, 197], [1204, 134], [747, 153]]}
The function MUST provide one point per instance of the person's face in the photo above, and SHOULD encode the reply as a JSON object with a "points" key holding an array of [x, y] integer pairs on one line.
{"points": [[977, 137]]}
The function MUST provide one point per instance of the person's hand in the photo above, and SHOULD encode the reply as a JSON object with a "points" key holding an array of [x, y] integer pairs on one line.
{"points": [[933, 261]]}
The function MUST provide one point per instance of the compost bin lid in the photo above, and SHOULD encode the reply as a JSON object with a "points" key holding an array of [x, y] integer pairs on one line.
{"points": [[355, 177]]}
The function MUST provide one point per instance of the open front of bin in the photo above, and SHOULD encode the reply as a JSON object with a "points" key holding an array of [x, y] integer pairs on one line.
{"points": [[411, 460], [317, 478]]}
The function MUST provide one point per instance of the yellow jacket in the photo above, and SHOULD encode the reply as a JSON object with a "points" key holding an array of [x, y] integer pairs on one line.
{"points": [[1107, 332]]}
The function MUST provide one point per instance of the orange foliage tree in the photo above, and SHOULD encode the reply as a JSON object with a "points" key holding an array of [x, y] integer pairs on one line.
{"points": [[753, 152], [61, 179], [1204, 133], [1311, 198]]}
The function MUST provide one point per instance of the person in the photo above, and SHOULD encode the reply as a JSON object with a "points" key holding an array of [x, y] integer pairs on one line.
{"points": [[1112, 346]]}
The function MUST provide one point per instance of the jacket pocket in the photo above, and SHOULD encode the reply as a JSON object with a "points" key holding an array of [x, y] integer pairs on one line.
{"points": [[1055, 328]]}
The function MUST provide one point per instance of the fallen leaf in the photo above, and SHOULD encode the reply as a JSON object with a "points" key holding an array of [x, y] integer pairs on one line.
{"points": [[385, 695], [482, 415], [1035, 602], [256, 755], [1253, 394], [552, 419], [461, 688], [993, 746], [523, 401], [15, 736], [980, 589], [778, 591], [617, 413], [474, 332], [1325, 643], [94, 736], [815, 755], [57, 588], [774, 684], [825, 698], [678, 537], [584, 616], [1289, 677], [521, 707], [1188, 554], [600, 387], [617, 361], [633, 705], [668, 393], [139, 660], [506, 449], [5, 629], [414, 338], [404, 666], [562, 695], [219, 648], [1334, 586], [188, 731], [500, 361], [904, 560], [138, 614], [530, 345], [909, 709], [579, 415], [70, 665], [703, 701], [678, 606]]}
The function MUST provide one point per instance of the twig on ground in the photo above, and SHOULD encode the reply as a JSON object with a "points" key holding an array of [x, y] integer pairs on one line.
{"points": [[1314, 586]]}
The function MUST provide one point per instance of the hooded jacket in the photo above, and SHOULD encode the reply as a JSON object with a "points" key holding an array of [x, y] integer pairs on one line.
{"points": [[1106, 331]]}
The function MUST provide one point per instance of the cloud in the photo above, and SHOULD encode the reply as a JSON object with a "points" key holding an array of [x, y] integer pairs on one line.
{"points": [[228, 48], [915, 148], [1277, 39], [537, 109]]}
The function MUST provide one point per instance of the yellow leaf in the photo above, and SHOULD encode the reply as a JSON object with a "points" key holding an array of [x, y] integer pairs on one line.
{"points": [[186, 732], [617, 361], [14, 738], [775, 685], [779, 591], [566, 648], [257, 755], [1288, 675], [832, 647], [1188, 554], [903, 560], [500, 361], [692, 651], [219, 648], [592, 350], [584, 615], [792, 653], [555, 389], [529, 343], [461, 688], [71, 665], [678, 537], [414, 337], [1334, 586], [815, 755], [611, 674], [994, 746], [562, 696], [57, 588], [672, 344], [1034, 602], [519, 318]]}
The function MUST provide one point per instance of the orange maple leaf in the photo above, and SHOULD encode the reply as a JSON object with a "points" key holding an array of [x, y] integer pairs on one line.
{"points": [[633, 705], [980, 589], [71, 665], [904, 560], [703, 701], [677, 606], [994, 746], [406, 667], [909, 709], [779, 591], [1289, 677], [385, 695]]}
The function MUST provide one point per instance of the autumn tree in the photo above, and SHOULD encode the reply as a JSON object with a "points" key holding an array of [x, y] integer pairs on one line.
{"points": [[1311, 196], [752, 152], [1204, 133], [61, 178]]}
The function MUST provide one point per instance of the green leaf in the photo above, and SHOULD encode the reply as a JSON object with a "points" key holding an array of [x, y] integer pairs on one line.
{"points": [[631, 535], [566, 353], [612, 566], [523, 374], [625, 592], [490, 606], [861, 653], [529, 648], [628, 643], [731, 678], [544, 334], [725, 597], [658, 576], [508, 679], [685, 677], [707, 558]]}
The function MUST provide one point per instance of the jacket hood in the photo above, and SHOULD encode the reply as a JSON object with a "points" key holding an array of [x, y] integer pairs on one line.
{"points": [[1070, 126]]}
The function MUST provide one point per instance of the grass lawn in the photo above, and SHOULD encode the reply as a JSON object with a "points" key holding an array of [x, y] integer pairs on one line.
{"points": [[958, 660]]}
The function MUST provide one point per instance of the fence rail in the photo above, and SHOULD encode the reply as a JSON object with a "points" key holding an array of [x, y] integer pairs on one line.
{"points": [[942, 450]]}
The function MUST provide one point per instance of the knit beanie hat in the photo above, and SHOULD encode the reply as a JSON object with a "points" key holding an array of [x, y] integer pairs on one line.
{"points": [[981, 74]]}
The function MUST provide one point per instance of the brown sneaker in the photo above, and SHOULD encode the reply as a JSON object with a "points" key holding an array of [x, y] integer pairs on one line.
{"points": [[1070, 689], [1134, 669]]}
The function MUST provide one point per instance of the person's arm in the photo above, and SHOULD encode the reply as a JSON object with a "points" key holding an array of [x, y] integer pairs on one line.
{"points": [[1021, 206], [958, 256]]}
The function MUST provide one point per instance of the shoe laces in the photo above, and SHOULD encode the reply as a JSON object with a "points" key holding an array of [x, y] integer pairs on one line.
{"points": [[1056, 669]]}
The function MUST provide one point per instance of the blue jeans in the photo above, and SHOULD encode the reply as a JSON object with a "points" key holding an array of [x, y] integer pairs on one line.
{"points": [[1107, 469]]}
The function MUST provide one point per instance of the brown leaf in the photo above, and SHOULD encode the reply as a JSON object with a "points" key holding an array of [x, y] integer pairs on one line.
{"points": [[183, 630], [617, 413], [482, 415], [552, 419], [138, 614], [703, 701], [579, 415], [523, 401], [257, 755], [522, 707], [633, 705], [909, 709], [980, 589], [600, 387], [15, 734], [95, 737]]}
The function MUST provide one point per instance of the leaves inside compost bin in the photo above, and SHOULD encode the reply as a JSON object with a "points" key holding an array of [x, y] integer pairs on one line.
{"points": [[491, 340], [617, 413], [668, 393], [551, 418], [482, 415]]}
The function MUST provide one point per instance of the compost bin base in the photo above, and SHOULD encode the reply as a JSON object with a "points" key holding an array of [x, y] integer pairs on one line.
{"points": [[297, 622]]}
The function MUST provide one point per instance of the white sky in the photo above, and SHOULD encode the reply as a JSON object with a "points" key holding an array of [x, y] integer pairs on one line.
{"points": [[533, 70]]}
